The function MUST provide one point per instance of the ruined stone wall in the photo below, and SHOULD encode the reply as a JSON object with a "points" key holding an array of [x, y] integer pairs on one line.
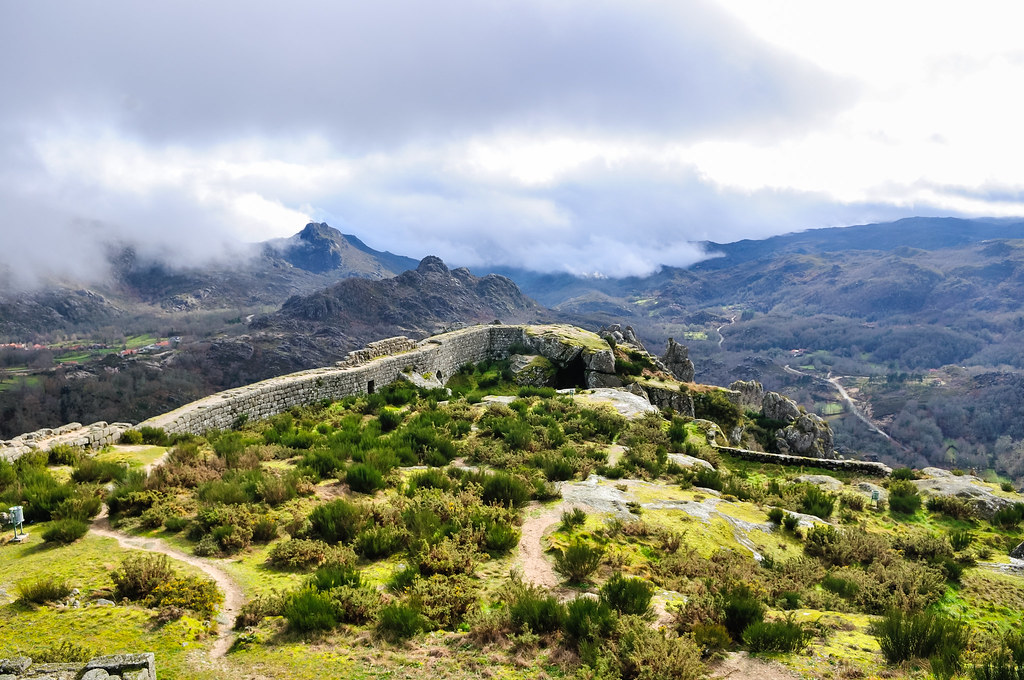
{"points": [[94, 436], [440, 356], [863, 466], [116, 667]]}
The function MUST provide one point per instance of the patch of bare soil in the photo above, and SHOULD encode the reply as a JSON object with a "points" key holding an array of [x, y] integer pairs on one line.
{"points": [[536, 568], [233, 598], [741, 666]]}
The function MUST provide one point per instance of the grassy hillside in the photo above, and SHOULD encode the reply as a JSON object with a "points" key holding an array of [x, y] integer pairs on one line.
{"points": [[525, 535]]}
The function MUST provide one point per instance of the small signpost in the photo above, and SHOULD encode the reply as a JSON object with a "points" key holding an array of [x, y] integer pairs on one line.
{"points": [[874, 497], [17, 518]]}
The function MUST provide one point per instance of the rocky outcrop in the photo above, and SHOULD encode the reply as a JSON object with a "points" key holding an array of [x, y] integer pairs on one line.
{"points": [[664, 395], [747, 394], [677, 360], [533, 370], [808, 435], [619, 335], [980, 496], [824, 481], [93, 436], [777, 407]]}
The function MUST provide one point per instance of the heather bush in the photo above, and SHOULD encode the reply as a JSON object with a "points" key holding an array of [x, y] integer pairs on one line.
{"points": [[334, 575], [336, 522], [573, 518], [506, 490], [628, 595], [646, 654], [447, 556], [189, 592], [500, 537], [924, 635], [298, 554], [444, 601], [63, 454], [310, 610], [578, 561], [817, 502], [904, 498], [399, 621], [740, 608], [65, 531], [532, 608], [375, 542], [42, 590], [140, 573], [951, 506], [776, 636], [712, 639], [588, 620]]}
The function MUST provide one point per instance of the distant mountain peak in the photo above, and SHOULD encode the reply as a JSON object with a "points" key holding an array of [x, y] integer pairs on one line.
{"points": [[432, 264]]}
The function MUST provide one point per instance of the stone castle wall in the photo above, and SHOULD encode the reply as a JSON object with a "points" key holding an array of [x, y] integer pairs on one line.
{"points": [[94, 436], [116, 667], [439, 356]]}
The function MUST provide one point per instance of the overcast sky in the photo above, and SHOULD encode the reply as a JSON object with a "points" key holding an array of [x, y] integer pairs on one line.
{"points": [[584, 136]]}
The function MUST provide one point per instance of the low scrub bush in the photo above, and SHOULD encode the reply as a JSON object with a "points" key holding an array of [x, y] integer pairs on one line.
{"points": [[63, 454], [506, 490], [646, 654], [1009, 517], [960, 540], [903, 497], [500, 537], [571, 519], [444, 601], [740, 609], [189, 592], [354, 604], [333, 576], [588, 620], [336, 522], [775, 636], [398, 621], [712, 639], [790, 522], [924, 635], [364, 478], [376, 541], [310, 610], [258, 608], [776, 515], [264, 530], [628, 595], [817, 502], [65, 531], [578, 561], [298, 554], [63, 652], [42, 590], [903, 474], [140, 573], [951, 506]]}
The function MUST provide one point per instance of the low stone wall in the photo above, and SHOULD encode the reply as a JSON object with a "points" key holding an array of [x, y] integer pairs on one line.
{"points": [[94, 436], [123, 666], [864, 466], [379, 349]]}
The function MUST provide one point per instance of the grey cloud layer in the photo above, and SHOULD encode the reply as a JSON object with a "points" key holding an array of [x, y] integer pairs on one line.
{"points": [[374, 80]]}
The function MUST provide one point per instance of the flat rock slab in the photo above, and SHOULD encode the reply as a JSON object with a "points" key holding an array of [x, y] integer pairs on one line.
{"points": [[830, 483], [626, 403]]}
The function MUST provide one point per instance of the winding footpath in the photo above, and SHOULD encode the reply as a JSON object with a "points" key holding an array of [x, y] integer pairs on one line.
{"points": [[233, 598], [537, 569]]}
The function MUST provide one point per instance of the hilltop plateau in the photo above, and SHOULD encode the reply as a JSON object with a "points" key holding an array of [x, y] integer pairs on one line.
{"points": [[494, 526]]}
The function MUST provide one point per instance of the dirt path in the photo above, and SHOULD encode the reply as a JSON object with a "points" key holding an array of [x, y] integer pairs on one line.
{"points": [[536, 567], [232, 593], [740, 666]]}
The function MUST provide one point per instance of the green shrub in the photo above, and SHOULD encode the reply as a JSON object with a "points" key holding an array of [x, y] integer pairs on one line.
{"points": [[398, 621], [903, 497], [646, 654], [447, 556], [189, 592], [336, 522], [817, 502], [628, 595], [775, 636], [740, 609], [81, 506], [63, 652], [355, 604], [1007, 487], [65, 531], [712, 639], [390, 419], [309, 610], [951, 506], [264, 530], [298, 554], [588, 620], [154, 436], [578, 561], [376, 541], [790, 522], [571, 519], [334, 576], [42, 590], [840, 586], [924, 635], [403, 577], [444, 601], [363, 478], [428, 479], [175, 524], [506, 490], [903, 474], [140, 573], [500, 538], [63, 454], [557, 469], [131, 437], [776, 515], [1009, 517], [533, 610]]}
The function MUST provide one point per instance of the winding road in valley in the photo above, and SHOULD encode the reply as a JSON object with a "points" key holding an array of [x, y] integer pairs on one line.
{"points": [[847, 399], [721, 338]]}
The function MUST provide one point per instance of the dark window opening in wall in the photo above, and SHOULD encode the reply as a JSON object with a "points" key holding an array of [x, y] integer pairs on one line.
{"points": [[440, 377], [572, 375], [370, 387]]}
